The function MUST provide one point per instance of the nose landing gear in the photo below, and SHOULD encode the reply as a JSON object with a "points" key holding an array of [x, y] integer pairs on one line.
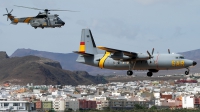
{"points": [[187, 72]]}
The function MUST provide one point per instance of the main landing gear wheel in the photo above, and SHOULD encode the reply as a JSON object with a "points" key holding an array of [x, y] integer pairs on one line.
{"points": [[129, 73], [149, 74], [35, 27], [187, 72]]}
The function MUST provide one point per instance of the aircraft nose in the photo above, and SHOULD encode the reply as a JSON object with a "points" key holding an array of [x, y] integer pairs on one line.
{"points": [[63, 23], [194, 63]]}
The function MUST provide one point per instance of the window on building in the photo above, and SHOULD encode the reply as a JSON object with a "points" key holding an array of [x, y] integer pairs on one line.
{"points": [[15, 104], [6, 104]]}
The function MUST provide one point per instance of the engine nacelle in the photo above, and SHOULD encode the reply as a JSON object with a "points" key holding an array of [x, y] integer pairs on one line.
{"points": [[141, 56]]}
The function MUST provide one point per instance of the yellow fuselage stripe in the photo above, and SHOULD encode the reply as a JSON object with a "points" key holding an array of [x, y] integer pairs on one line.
{"points": [[102, 61], [27, 20], [15, 20], [82, 48]]}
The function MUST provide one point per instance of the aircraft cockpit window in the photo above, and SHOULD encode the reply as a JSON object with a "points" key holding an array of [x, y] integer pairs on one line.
{"points": [[58, 19], [181, 57]]}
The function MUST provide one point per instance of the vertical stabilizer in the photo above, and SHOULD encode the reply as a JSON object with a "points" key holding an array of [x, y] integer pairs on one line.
{"points": [[87, 44]]}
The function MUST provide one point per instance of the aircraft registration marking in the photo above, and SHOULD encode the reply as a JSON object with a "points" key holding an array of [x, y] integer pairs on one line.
{"points": [[101, 62], [178, 63]]}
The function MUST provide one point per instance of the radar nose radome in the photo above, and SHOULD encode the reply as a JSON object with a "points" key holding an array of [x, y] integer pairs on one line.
{"points": [[194, 63]]}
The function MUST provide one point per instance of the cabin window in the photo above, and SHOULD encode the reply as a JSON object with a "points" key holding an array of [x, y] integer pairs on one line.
{"points": [[181, 57], [176, 57]]}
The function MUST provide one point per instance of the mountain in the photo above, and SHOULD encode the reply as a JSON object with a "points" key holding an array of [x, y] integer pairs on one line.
{"points": [[38, 70], [68, 62]]}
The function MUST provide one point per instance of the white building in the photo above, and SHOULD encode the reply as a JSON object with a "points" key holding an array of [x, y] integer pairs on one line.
{"points": [[72, 104], [59, 105], [188, 101], [15, 106]]}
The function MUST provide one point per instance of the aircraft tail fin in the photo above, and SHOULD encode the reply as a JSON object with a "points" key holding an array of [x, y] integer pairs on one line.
{"points": [[87, 44]]}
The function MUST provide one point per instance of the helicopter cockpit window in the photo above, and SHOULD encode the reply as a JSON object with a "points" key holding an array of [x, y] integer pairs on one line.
{"points": [[58, 19]]}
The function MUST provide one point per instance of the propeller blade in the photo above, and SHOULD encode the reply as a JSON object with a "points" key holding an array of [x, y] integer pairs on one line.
{"points": [[11, 10], [7, 10], [168, 51], [149, 54], [7, 18], [152, 51], [5, 14]]}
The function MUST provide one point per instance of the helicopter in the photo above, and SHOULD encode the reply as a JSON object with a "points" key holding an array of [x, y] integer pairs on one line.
{"points": [[42, 20]]}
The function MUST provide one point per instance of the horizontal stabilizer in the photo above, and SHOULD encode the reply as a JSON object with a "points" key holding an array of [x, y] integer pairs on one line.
{"points": [[82, 53]]}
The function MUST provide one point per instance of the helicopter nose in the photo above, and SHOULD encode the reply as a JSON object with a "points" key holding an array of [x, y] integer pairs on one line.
{"points": [[194, 63], [63, 23]]}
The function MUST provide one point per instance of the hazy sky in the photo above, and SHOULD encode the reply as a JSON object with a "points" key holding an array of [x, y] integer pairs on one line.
{"points": [[132, 25]]}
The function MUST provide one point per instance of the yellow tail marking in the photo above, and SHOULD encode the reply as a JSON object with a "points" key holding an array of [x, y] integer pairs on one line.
{"points": [[82, 47], [101, 62], [27, 20]]}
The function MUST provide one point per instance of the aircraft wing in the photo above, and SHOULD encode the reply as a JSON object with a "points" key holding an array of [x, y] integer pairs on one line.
{"points": [[124, 55], [127, 53]]}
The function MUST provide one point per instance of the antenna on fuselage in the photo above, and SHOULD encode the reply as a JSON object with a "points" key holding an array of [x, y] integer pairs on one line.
{"points": [[168, 51]]}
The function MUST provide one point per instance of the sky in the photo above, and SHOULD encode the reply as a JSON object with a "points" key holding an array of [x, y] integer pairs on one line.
{"points": [[131, 25]]}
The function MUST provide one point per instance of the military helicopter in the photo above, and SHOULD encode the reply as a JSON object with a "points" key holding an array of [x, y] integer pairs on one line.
{"points": [[42, 20]]}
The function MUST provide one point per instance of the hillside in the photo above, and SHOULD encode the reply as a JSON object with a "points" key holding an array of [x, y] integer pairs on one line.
{"points": [[68, 62], [38, 70]]}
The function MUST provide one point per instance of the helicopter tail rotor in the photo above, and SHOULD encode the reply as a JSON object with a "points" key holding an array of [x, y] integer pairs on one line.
{"points": [[9, 15]]}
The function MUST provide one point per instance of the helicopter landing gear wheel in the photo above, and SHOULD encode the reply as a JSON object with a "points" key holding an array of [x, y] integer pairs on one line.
{"points": [[149, 74], [42, 27], [35, 27], [129, 72]]}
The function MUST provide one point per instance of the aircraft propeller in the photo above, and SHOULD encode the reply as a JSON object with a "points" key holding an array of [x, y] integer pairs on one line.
{"points": [[150, 55], [8, 13]]}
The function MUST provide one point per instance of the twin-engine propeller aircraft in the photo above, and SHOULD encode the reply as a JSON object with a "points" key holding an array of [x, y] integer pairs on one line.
{"points": [[42, 20], [110, 58]]}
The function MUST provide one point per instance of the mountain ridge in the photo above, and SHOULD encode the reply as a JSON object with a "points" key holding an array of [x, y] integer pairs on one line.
{"points": [[39, 70]]}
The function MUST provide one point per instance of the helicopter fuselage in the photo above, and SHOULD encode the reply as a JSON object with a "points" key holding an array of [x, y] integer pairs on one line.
{"points": [[41, 21]]}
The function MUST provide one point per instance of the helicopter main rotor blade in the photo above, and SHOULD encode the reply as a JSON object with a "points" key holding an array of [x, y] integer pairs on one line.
{"points": [[29, 7], [63, 10], [11, 10], [7, 10]]}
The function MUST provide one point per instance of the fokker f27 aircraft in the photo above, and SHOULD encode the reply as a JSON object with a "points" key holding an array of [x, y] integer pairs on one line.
{"points": [[110, 58]]}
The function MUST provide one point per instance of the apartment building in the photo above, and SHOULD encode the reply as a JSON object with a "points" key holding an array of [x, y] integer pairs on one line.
{"points": [[15, 106]]}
